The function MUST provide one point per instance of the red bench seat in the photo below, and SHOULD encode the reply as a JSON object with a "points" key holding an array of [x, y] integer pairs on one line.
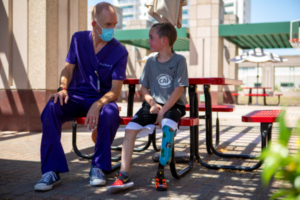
{"points": [[263, 116], [215, 108], [184, 121], [257, 95]]}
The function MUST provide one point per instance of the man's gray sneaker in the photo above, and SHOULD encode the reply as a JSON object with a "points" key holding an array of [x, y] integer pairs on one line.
{"points": [[96, 176], [49, 179]]}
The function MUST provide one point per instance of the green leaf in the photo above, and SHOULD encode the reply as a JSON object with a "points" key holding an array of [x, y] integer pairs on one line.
{"points": [[285, 133], [279, 193], [298, 127], [297, 182]]}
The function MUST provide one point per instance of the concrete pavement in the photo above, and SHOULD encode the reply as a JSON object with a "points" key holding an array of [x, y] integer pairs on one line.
{"points": [[20, 164]]}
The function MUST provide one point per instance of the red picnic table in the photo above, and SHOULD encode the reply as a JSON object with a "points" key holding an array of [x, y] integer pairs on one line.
{"points": [[194, 130], [264, 94]]}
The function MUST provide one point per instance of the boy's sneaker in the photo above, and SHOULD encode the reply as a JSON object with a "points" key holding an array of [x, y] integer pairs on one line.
{"points": [[122, 183], [96, 176], [49, 179], [160, 182]]}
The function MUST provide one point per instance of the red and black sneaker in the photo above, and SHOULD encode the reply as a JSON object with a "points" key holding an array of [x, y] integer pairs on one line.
{"points": [[122, 183], [160, 182]]}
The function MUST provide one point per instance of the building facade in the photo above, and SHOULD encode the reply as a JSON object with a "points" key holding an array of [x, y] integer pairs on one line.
{"points": [[281, 77], [136, 10], [133, 10], [240, 8]]}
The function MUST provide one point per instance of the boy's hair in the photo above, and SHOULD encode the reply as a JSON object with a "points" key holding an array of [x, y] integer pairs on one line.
{"points": [[166, 30]]}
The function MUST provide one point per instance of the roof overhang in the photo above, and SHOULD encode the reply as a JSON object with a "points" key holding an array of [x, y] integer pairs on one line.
{"points": [[245, 36], [263, 35], [139, 38]]}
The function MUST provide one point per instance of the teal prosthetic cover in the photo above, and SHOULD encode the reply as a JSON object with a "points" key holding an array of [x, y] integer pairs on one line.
{"points": [[167, 145]]}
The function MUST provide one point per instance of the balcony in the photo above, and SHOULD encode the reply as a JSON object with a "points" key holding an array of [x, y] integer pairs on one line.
{"points": [[185, 16], [128, 10], [122, 2], [125, 19]]}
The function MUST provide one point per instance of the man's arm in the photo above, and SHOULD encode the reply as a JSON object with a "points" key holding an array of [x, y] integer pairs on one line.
{"points": [[65, 78], [92, 116], [66, 75]]}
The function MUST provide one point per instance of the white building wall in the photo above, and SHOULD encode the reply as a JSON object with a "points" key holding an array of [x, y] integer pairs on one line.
{"points": [[133, 10], [241, 8]]}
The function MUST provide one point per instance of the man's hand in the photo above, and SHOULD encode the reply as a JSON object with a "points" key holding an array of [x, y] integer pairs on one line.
{"points": [[159, 118], [61, 95], [92, 116], [155, 108]]}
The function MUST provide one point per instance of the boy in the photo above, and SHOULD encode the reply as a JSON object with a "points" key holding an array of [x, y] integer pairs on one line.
{"points": [[163, 81]]}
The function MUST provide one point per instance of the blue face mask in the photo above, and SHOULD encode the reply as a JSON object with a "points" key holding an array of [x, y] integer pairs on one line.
{"points": [[107, 33]]}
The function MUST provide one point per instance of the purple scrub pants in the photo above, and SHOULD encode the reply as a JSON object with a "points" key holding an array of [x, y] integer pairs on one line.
{"points": [[54, 115]]}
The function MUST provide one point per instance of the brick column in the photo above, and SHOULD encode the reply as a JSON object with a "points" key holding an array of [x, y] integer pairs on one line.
{"points": [[39, 33], [230, 69], [206, 47]]}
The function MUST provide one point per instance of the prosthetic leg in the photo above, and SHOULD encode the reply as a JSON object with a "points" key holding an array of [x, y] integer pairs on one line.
{"points": [[165, 157]]}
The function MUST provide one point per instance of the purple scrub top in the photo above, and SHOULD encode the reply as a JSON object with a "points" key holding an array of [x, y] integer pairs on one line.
{"points": [[110, 63]]}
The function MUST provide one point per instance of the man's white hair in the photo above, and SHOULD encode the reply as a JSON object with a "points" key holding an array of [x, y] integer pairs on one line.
{"points": [[98, 9]]}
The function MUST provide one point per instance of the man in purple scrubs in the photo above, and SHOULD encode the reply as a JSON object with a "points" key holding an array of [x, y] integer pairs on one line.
{"points": [[90, 83]]}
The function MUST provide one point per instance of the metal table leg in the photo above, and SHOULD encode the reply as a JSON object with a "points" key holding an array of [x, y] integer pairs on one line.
{"points": [[155, 147], [184, 171], [193, 133], [250, 97], [85, 156], [266, 129]]}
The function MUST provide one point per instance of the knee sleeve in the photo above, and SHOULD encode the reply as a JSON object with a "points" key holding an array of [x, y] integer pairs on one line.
{"points": [[167, 145]]}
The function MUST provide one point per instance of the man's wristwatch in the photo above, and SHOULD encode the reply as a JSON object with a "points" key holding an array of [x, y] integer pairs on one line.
{"points": [[61, 88]]}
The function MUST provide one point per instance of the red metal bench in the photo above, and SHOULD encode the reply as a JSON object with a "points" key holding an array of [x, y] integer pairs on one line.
{"points": [[257, 95], [266, 118], [185, 121]]}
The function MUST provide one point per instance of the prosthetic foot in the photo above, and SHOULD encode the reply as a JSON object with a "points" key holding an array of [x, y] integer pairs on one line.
{"points": [[160, 182]]}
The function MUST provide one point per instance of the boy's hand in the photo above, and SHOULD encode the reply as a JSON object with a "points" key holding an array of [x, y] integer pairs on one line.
{"points": [[155, 108], [159, 118]]}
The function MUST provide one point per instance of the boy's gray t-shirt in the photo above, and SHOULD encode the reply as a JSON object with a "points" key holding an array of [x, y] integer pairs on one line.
{"points": [[163, 78]]}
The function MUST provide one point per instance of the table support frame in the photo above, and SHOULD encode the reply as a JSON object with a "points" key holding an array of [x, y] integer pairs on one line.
{"points": [[266, 133]]}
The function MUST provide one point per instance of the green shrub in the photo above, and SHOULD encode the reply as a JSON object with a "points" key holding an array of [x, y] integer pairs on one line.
{"points": [[281, 164]]}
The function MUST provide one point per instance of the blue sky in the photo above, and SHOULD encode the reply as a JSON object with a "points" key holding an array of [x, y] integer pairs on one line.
{"points": [[264, 11]]}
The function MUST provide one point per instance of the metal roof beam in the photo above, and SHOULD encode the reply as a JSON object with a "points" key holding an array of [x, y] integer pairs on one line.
{"points": [[254, 29]]}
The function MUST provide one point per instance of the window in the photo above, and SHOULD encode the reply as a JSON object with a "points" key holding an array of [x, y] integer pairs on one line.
{"points": [[228, 4], [287, 78], [185, 12], [127, 16], [127, 7], [228, 13], [249, 76], [287, 84], [185, 21]]}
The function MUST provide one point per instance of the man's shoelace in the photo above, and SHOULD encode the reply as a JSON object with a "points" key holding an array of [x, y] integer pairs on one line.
{"points": [[96, 172], [47, 176]]}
